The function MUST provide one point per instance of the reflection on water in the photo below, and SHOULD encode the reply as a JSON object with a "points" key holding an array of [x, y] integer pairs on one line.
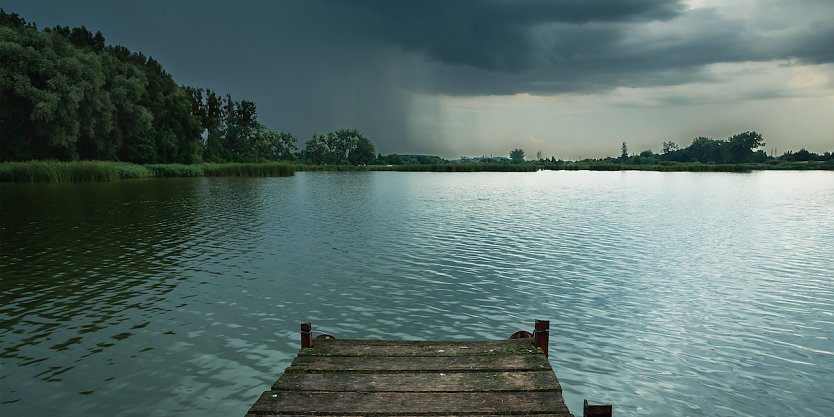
{"points": [[668, 293]]}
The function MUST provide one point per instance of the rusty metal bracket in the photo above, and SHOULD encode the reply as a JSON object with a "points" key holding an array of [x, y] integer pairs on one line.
{"points": [[589, 410], [521, 334]]}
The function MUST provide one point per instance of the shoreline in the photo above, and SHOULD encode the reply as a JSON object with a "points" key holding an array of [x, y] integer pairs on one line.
{"points": [[108, 171]]}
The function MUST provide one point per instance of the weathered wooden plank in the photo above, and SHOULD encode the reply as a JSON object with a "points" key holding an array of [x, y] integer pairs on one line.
{"points": [[498, 363], [340, 347], [419, 382], [416, 415], [409, 403]]}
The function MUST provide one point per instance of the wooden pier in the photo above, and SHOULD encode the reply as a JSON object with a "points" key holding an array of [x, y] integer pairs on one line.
{"points": [[331, 377]]}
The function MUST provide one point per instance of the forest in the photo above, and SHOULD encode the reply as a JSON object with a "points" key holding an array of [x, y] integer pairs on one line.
{"points": [[66, 95]]}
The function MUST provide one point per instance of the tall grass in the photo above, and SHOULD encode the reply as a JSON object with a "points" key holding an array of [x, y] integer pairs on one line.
{"points": [[264, 169], [175, 170], [104, 171], [80, 171]]}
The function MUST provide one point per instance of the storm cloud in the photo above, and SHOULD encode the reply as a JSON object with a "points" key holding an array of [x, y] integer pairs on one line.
{"points": [[392, 68], [548, 47]]}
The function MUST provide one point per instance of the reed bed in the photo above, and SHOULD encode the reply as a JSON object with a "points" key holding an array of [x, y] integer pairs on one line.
{"points": [[338, 168], [106, 171], [79, 171], [262, 169], [176, 170]]}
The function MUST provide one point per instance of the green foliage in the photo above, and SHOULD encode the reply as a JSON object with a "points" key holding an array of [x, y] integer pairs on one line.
{"points": [[275, 146], [406, 159], [668, 147], [340, 147], [739, 148], [517, 156], [65, 95]]}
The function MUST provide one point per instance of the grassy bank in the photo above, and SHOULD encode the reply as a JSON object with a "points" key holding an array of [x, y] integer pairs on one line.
{"points": [[104, 171], [49, 171], [458, 167], [232, 169], [447, 167]]}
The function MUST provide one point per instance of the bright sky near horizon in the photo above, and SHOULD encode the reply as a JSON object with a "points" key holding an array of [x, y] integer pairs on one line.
{"points": [[572, 78]]}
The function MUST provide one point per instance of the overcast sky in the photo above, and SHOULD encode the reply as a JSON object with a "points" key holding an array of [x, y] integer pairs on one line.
{"points": [[572, 78]]}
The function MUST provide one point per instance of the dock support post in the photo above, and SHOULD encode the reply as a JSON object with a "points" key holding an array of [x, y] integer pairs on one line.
{"points": [[306, 335], [541, 335], [589, 410]]}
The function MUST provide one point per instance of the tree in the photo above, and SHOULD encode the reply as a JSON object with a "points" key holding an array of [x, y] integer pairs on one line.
{"points": [[275, 145], [341, 146], [624, 153], [740, 146], [668, 147], [706, 150], [517, 156], [361, 151]]}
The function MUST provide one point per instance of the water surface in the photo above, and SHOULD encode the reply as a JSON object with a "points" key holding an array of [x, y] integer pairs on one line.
{"points": [[668, 293]]}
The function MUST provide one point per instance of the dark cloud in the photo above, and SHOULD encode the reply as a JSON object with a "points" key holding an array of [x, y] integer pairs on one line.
{"points": [[317, 65], [491, 34], [499, 47]]}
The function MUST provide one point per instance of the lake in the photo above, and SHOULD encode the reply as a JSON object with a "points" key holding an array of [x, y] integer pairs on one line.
{"points": [[668, 293]]}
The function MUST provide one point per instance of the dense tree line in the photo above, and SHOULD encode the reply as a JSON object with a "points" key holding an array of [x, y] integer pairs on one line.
{"points": [[231, 131], [739, 148], [343, 146], [736, 149], [804, 155], [66, 95], [407, 159]]}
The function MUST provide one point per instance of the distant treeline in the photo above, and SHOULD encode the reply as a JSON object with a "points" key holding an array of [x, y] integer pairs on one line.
{"points": [[739, 150]]}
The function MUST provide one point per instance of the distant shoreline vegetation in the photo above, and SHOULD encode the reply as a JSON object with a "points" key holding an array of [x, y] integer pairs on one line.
{"points": [[108, 171], [75, 109]]}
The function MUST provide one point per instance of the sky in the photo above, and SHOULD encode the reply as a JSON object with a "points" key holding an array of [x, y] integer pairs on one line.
{"points": [[570, 78]]}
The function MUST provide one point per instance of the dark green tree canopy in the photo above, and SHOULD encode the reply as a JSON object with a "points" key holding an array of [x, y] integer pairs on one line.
{"points": [[739, 148], [342, 146], [66, 95], [517, 155]]}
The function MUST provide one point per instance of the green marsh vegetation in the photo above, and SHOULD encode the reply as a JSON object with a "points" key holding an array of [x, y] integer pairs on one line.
{"points": [[107, 171], [79, 171]]}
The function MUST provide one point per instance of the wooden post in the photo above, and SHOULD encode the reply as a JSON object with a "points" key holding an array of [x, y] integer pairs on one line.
{"points": [[306, 335], [589, 410], [541, 335]]}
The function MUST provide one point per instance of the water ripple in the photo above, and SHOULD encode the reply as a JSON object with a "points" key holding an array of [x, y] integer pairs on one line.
{"points": [[668, 293]]}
